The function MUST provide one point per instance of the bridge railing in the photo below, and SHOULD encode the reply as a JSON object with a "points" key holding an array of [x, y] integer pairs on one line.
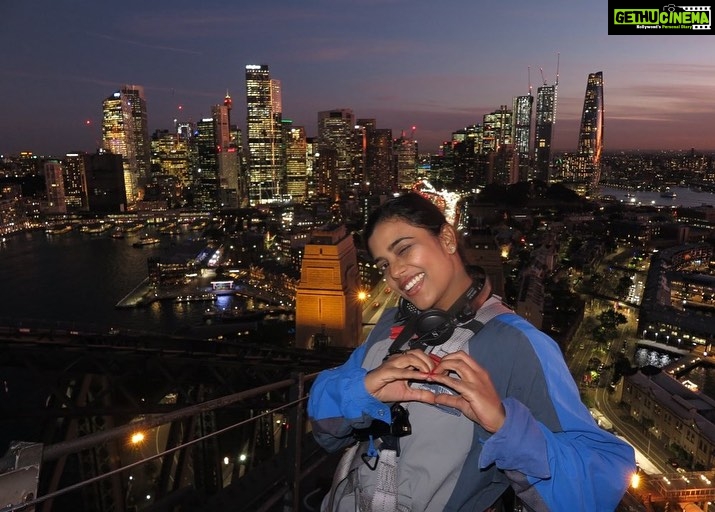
{"points": [[288, 494]]}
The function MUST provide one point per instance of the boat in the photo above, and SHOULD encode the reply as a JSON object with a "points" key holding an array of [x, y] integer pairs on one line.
{"points": [[195, 298], [666, 193], [59, 229], [96, 228], [233, 315], [118, 233], [146, 240]]}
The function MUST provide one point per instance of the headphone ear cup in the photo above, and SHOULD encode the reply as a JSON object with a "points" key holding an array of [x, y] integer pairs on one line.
{"points": [[434, 327], [406, 310]]}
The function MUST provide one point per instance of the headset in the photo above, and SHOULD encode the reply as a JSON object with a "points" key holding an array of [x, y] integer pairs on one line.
{"points": [[433, 327]]}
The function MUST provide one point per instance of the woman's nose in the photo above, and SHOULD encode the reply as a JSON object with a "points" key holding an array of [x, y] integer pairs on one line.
{"points": [[396, 269]]}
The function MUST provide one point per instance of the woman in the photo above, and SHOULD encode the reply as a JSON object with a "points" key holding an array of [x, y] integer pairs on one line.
{"points": [[450, 417]]}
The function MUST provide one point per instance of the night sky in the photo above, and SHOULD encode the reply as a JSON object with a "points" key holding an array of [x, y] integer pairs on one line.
{"points": [[436, 65]]}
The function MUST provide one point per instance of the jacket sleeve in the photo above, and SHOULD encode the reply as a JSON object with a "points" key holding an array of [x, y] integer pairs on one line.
{"points": [[339, 402], [570, 465]]}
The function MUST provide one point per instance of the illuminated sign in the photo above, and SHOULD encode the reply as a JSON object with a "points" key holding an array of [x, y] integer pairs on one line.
{"points": [[660, 19]]}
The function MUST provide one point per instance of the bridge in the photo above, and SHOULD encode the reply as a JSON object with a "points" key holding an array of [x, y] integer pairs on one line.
{"points": [[127, 421]]}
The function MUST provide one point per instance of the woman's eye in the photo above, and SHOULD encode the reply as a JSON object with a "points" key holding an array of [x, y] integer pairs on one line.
{"points": [[403, 249]]}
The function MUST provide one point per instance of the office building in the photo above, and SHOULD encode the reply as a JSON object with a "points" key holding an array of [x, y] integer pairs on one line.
{"points": [[227, 155], [125, 132], [522, 108], [544, 130], [379, 172], [106, 192], [336, 135], [75, 181], [54, 187], [296, 158], [590, 138], [266, 181], [404, 151]]}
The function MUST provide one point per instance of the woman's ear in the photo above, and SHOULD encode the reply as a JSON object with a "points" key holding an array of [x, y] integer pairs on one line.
{"points": [[448, 237]]}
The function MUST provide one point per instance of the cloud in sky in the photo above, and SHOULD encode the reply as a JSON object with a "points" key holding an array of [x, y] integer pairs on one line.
{"points": [[403, 62]]}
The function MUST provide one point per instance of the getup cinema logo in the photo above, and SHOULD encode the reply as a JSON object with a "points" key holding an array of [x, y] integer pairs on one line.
{"points": [[665, 19]]}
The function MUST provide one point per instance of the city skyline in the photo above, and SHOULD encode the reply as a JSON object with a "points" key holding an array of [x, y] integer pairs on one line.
{"points": [[437, 67]]}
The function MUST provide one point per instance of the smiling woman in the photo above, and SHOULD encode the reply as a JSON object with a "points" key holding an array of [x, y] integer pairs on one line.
{"points": [[454, 402]]}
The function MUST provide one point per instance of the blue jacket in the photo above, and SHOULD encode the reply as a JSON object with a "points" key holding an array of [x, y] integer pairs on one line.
{"points": [[549, 449]]}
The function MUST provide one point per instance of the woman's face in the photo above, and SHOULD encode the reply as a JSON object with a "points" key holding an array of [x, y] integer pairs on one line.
{"points": [[416, 263]]}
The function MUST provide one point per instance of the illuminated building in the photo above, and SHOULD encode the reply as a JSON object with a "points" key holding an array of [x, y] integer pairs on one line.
{"points": [[296, 158], [467, 155], [336, 135], [75, 180], [379, 175], [227, 154], [544, 129], [206, 172], [170, 153], [497, 144], [54, 187], [125, 132], [405, 151], [590, 139], [522, 134], [264, 111], [327, 304]]}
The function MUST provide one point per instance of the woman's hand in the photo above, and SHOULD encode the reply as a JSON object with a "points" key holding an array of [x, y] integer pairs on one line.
{"points": [[476, 398], [389, 382]]}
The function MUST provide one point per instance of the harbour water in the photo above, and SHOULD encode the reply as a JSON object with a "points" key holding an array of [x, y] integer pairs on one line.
{"points": [[79, 278], [683, 196]]}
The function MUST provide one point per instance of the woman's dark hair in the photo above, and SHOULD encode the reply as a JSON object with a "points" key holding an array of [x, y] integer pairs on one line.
{"points": [[413, 208]]}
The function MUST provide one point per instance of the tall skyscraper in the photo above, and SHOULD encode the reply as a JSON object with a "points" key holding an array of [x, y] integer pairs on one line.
{"points": [[228, 160], [75, 179], [296, 158], [264, 113], [590, 138], [125, 132], [379, 175], [105, 184], [544, 129], [498, 145], [522, 134], [497, 128], [55, 187], [336, 133], [206, 171], [404, 150]]}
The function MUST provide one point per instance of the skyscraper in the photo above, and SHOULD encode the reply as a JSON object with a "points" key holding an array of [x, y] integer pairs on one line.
{"points": [[522, 134], [55, 187], [336, 133], [590, 138], [379, 175], [263, 113], [296, 158], [544, 129], [404, 151], [206, 171], [75, 180], [228, 160], [498, 145], [125, 132]]}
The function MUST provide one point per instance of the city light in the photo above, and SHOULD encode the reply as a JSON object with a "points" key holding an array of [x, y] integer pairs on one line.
{"points": [[635, 480], [137, 437]]}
